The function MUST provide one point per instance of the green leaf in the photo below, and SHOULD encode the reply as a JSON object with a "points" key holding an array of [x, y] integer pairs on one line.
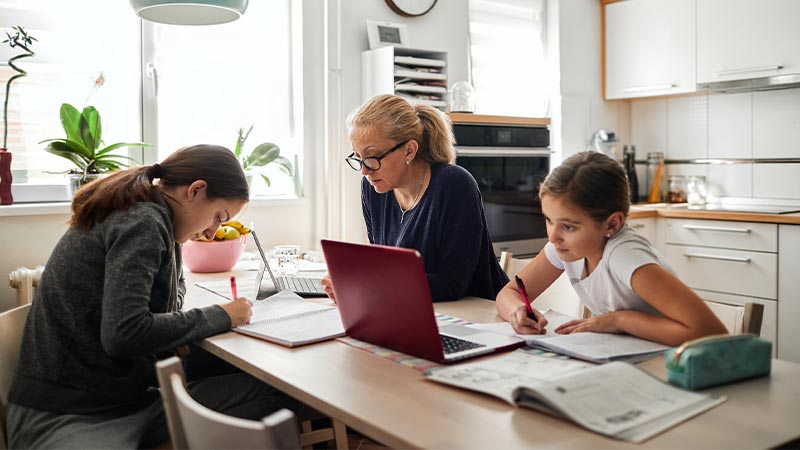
{"points": [[284, 165], [90, 128], [262, 155], [70, 118], [113, 147], [266, 179], [63, 149]]}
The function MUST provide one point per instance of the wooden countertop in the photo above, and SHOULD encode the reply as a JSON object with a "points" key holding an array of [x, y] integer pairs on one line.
{"points": [[664, 210], [499, 120]]}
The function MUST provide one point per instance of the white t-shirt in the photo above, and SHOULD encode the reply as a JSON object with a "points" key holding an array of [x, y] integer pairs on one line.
{"points": [[608, 287]]}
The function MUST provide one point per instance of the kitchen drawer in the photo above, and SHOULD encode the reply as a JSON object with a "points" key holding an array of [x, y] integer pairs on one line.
{"points": [[769, 321], [752, 274], [761, 237]]}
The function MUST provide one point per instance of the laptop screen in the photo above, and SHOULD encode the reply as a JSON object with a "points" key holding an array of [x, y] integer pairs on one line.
{"points": [[264, 266]]}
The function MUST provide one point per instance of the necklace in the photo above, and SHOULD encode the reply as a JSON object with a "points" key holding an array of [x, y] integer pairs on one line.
{"points": [[416, 199]]}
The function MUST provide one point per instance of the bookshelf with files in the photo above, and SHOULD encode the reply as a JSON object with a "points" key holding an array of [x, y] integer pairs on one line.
{"points": [[419, 76]]}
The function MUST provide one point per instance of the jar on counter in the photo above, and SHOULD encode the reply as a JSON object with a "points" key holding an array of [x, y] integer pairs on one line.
{"points": [[676, 191], [696, 188], [656, 178]]}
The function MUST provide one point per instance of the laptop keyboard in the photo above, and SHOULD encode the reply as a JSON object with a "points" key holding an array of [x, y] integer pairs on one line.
{"points": [[454, 345], [301, 284]]}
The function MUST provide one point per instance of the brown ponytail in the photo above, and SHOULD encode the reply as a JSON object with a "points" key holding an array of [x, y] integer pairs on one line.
{"points": [[216, 165]]}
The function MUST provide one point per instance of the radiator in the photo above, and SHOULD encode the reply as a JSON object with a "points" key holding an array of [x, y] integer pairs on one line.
{"points": [[25, 280]]}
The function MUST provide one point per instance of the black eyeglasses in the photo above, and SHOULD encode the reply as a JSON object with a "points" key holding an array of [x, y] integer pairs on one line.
{"points": [[370, 162]]}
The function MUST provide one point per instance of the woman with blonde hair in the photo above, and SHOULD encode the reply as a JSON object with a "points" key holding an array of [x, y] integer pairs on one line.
{"points": [[413, 196]]}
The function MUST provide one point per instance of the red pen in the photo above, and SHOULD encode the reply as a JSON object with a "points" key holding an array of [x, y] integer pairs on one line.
{"points": [[233, 288], [524, 294]]}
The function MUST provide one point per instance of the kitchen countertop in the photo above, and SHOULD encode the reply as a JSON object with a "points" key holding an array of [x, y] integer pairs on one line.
{"points": [[641, 211]]}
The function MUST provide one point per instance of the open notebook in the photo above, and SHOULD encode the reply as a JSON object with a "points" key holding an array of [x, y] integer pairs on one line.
{"points": [[594, 347], [287, 319], [615, 399]]}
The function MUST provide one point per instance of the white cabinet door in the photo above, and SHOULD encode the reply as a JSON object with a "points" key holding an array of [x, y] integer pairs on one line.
{"points": [[650, 48], [646, 227], [789, 293], [741, 39]]}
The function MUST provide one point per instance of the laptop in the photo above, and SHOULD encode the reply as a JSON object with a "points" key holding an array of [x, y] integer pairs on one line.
{"points": [[384, 299], [302, 286]]}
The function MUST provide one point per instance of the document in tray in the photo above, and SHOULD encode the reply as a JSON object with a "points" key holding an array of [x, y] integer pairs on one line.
{"points": [[594, 347], [287, 319], [615, 399]]}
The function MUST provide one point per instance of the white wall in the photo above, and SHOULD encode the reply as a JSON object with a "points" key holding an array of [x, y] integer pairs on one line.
{"points": [[581, 106], [746, 125]]}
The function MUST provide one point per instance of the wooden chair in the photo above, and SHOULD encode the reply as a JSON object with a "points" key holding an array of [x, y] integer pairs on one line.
{"points": [[11, 324], [560, 296], [739, 319], [193, 426]]}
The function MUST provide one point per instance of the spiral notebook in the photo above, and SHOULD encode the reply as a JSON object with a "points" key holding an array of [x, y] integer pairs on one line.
{"points": [[287, 319]]}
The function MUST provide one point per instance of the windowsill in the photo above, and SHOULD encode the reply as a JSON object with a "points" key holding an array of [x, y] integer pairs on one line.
{"points": [[48, 208], [35, 209]]}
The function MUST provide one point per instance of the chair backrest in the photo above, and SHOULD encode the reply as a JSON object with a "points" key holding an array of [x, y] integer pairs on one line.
{"points": [[739, 319], [11, 324], [560, 296], [193, 426]]}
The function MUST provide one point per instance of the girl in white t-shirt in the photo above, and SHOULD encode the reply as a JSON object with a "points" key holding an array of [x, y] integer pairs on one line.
{"points": [[617, 274]]}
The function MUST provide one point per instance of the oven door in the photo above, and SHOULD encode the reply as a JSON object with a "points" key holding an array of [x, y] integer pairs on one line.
{"points": [[509, 180]]}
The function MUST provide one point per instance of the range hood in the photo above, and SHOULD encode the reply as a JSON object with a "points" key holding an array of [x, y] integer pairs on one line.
{"points": [[753, 84]]}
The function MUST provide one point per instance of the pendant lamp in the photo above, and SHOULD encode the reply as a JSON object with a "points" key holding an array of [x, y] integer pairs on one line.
{"points": [[190, 12]]}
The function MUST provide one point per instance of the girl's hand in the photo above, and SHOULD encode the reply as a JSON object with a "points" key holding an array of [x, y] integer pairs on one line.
{"points": [[604, 323], [326, 283], [522, 324], [239, 310]]}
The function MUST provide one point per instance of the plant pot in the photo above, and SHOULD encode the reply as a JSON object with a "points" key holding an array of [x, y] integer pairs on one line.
{"points": [[5, 177], [78, 180]]}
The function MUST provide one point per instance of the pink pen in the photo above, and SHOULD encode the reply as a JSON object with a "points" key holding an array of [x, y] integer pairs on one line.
{"points": [[233, 288]]}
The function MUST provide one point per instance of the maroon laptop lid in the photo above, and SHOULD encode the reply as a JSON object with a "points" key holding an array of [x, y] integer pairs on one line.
{"points": [[383, 297]]}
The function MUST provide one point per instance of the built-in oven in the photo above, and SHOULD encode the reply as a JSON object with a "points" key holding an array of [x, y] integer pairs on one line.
{"points": [[509, 162]]}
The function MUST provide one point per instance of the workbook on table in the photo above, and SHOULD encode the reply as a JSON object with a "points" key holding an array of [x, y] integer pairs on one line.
{"points": [[287, 319], [615, 399], [594, 347]]}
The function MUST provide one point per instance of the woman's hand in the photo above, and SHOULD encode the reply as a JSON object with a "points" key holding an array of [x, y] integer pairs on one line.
{"points": [[326, 283], [239, 310], [604, 323], [522, 324]]}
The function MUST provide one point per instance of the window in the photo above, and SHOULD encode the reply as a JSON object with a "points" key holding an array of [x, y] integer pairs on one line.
{"points": [[507, 53], [214, 80], [74, 45], [211, 81]]}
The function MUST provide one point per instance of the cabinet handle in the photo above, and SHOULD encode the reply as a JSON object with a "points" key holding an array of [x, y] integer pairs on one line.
{"points": [[721, 258], [707, 228], [637, 225], [654, 87], [724, 72]]}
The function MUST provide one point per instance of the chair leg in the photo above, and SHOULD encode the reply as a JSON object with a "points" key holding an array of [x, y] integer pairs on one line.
{"points": [[306, 427], [340, 433]]}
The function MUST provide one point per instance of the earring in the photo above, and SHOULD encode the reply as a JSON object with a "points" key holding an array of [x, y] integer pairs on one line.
{"points": [[608, 235], [408, 162]]}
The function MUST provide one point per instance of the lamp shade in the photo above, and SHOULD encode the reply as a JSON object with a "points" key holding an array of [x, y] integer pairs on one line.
{"points": [[189, 12]]}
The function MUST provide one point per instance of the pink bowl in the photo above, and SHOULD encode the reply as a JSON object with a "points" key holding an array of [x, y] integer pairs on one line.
{"points": [[214, 256]]}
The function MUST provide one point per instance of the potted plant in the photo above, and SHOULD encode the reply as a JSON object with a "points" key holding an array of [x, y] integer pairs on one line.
{"points": [[24, 41], [262, 155], [84, 145]]}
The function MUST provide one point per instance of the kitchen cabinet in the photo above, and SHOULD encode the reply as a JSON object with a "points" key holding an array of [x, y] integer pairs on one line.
{"points": [[789, 292], [729, 262], [650, 48], [741, 39], [645, 227], [419, 76]]}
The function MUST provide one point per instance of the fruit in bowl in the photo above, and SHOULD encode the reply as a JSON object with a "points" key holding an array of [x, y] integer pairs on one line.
{"points": [[219, 254]]}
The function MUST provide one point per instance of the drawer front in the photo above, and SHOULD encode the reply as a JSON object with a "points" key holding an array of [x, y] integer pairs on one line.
{"points": [[761, 237], [752, 274], [769, 321]]}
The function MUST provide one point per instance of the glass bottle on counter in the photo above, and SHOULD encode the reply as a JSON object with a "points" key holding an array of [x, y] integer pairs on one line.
{"points": [[656, 179], [676, 192], [630, 171]]}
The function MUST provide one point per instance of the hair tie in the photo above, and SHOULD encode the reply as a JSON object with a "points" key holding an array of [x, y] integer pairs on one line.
{"points": [[156, 171]]}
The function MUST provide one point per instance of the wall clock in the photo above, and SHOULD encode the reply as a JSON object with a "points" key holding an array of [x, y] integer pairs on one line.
{"points": [[411, 8]]}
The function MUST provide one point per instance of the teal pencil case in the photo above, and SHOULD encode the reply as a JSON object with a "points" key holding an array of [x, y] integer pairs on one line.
{"points": [[718, 359]]}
